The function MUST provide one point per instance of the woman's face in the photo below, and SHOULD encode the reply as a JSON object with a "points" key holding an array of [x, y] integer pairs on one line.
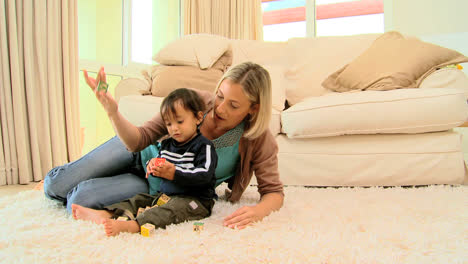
{"points": [[231, 105]]}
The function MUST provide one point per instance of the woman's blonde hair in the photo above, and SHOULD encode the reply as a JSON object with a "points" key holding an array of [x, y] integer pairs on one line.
{"points": [[256, 84]]}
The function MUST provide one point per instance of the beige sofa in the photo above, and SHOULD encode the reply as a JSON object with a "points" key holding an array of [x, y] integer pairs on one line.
{"points": [[355, 138]]}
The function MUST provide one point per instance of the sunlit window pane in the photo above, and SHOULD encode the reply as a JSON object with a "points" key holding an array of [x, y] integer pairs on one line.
{"points": [[282, 4], [324, 2], [141, 31], [350, 25], [284, 31], [349, 17], [155, 23], [283, 19]]}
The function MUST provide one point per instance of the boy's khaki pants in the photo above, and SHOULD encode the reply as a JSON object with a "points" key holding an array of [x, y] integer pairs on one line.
{"points": [[178, 209]]}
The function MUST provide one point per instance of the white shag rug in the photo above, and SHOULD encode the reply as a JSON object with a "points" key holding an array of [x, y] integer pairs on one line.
{"points": [[315, 225]]}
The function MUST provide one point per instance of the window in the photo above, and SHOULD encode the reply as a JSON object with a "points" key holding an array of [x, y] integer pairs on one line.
{"points": [[141, 40], [154, 23], [122, 36], [284, 19]]}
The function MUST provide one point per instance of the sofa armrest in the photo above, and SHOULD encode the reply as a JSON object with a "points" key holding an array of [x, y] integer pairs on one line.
{"points": [[138, 108], [130, 86]]}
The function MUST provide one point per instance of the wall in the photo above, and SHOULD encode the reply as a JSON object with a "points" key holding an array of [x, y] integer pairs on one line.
{"points": [[86, 29], [108, 31], [444, 23], [428, 17], [165, 23], [99, 40]]}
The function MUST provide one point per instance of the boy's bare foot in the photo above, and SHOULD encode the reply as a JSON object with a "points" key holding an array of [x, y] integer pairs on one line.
{"points": [[114, 227], [83, 213]]}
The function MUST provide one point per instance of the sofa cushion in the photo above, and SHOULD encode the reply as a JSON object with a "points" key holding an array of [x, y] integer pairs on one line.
{"points": [[130, 86], [275, 122], [165, 79], [372, 160], [446, 77], [271, 56], [374, 112], [309, 61], [200, 50], [138, 109], [277, 85], [392, 62], [261, 52]]}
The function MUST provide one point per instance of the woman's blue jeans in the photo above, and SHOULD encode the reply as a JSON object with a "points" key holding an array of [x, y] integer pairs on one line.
{"points": [[106, 175]]}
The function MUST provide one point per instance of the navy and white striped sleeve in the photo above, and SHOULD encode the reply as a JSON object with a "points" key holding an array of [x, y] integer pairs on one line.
{"points": [[203, 170]]}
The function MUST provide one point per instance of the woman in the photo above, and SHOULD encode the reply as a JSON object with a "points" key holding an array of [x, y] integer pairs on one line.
{"points": [[236, 121]]}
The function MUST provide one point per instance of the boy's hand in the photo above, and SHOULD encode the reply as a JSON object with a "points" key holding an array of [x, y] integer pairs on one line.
{"points": [[152, 163], [166, 171], [159, 167]]}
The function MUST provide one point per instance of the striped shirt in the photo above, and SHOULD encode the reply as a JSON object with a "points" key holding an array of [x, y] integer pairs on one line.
{"points": [[195, 163]]}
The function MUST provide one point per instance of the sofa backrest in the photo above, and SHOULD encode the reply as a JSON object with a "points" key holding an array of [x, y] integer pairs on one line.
{"points": [[312, 60], [299, 66]]}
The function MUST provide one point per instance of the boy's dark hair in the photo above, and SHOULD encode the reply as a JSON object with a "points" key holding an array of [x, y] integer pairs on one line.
{"points": [[189, 99]]}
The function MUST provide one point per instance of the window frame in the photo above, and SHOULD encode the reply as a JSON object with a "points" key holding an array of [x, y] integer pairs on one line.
{"points": [[127, 67], [309, 12]]}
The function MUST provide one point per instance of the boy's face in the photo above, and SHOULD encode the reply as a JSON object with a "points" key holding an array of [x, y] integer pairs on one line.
{"points": [[182, 126]]}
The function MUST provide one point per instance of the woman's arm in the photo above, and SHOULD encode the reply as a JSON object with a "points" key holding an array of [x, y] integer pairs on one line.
{"points": [[270, 202], [261, 156], [138, 138], [135, 138], [126, 131]]}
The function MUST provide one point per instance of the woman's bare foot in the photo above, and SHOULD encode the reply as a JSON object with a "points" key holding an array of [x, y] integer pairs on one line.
{"points": [[114, 227], [83, 213]]}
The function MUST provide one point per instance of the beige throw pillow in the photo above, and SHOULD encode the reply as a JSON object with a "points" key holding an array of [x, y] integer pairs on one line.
{"points": [[200, 50], [392, 62], [311, 60], [165, 78], [168, 78]]}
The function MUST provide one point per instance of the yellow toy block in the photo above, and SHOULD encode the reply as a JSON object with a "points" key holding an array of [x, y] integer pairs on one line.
{"points": [[198, 226], [163, 199], [147, 230]]}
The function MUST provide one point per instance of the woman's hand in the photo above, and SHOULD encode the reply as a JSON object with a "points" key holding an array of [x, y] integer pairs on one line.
{"points": [[106, 99], [248, 215], [166, 170], [243, 217]]}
